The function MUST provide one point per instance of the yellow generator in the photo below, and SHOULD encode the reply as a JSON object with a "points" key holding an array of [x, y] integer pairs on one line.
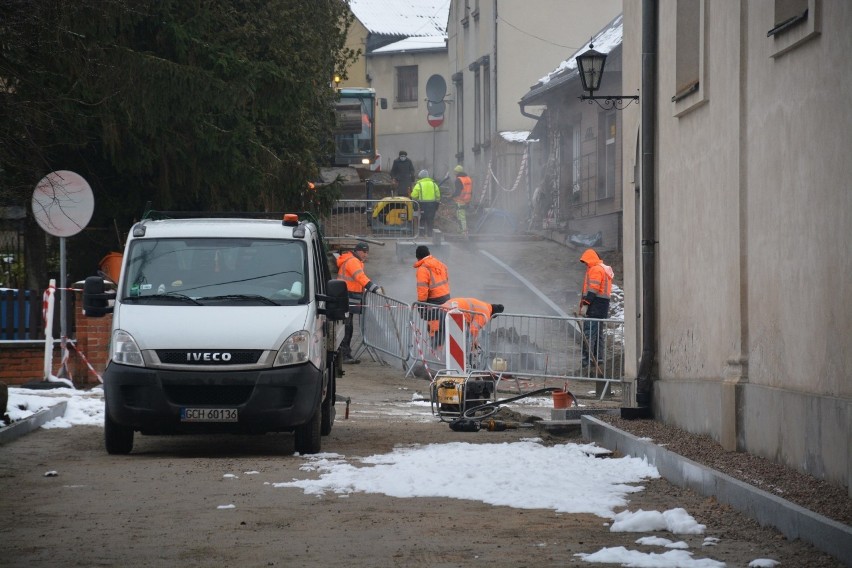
{"points": [[393, 214], [452, 394]]}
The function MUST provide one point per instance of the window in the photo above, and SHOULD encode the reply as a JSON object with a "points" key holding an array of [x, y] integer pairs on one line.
{"points": [[477, 109], [576, 146], [606, 185], [486, 103], [466, 15], [406, 85], [689, 87], [794, 22], [459, 82]]}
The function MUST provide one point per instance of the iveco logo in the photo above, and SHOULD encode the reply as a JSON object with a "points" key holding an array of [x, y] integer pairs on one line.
{"points": [[211, 356]]}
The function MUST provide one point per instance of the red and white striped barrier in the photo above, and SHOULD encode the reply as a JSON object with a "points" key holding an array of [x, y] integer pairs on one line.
{"points": [[456, 346]]}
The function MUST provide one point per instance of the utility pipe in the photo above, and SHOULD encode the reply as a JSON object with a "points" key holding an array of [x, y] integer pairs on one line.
{"points": [[647, 200]]}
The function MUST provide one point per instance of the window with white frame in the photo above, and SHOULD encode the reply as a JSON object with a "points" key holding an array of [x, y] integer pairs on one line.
{"points": [[406, 85]]}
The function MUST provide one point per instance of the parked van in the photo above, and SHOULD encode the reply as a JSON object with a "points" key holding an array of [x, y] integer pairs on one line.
{"points": [[221, 325]]}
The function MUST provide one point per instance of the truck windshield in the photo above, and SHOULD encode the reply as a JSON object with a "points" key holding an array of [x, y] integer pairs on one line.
{"points": [[221, 271]]}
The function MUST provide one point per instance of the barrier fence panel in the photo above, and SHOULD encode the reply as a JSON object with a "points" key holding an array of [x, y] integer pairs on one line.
{"points": [[512, 345], [385, 325], [553, 347], [391, 217], [427, 341]]}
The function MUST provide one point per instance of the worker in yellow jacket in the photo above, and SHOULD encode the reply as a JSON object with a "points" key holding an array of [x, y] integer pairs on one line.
{"points": [[428, 194]]}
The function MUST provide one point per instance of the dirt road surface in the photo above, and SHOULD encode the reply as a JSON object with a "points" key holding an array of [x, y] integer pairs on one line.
{"points": [[159, 505]]}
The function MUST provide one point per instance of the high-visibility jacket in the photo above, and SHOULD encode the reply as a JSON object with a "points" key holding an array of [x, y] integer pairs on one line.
{"points": [[464, 189], [476, 312], [426, 190], [433, 280], [597, 285], [350, 269]]}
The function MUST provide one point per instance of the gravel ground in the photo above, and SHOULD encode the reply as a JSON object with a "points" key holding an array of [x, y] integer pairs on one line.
{"points": [[816, 495]]}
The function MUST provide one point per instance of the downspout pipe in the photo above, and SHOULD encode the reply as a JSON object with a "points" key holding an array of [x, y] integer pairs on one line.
{"points": [[648, 119]]}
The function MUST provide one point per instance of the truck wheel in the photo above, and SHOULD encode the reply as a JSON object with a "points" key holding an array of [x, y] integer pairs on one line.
{"points": [[118, 438], [308, 437]]}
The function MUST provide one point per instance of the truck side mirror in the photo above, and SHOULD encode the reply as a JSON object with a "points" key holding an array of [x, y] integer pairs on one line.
{"points": [[336, 300], [95, 298]]}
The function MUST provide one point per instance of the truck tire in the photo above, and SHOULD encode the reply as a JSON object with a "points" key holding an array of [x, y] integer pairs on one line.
{"points": [[308, 435], [118, 438]]}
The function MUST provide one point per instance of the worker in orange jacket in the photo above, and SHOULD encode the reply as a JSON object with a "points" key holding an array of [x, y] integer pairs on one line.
{"points": [[476, 313], [350, 269], [433, 287], [594, 303]]}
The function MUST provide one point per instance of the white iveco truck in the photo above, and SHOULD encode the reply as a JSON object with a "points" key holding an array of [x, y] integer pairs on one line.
{"points": [[221, 325]]}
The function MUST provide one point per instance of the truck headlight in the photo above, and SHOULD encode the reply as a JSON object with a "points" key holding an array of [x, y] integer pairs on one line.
{"points": [[296, 349], [123, 349]]}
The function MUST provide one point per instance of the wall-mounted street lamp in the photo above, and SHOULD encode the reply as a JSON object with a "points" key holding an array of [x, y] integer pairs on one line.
{"points": [[591, 66]]}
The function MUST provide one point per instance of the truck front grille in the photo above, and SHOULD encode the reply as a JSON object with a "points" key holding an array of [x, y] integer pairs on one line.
{"points": [[209, 358]]}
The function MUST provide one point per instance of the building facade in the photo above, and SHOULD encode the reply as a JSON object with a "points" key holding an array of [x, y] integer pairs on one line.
{"points": [[753, 220], [497, 49]]}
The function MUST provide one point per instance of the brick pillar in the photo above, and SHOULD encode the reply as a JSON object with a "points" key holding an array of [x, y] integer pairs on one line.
{"points": [[93, 335]]}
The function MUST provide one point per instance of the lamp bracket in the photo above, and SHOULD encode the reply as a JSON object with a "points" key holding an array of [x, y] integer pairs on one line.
{"points": [[610, 102]]}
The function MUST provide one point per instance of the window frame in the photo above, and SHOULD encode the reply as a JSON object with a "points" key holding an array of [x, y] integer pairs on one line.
{"points": [[795, 31], [693, 95], [407, 103]]}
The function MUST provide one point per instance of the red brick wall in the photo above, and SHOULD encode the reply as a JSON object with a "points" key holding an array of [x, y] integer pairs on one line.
{"points": [[23, 362]]}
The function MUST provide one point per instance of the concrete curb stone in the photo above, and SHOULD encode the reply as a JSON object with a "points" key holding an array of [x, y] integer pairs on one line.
{"points": [[21, 427], [791, 520]]}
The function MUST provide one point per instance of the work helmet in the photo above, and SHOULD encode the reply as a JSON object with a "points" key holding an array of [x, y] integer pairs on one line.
{"points": [[362, 247], [423, 174], [458, 169]]}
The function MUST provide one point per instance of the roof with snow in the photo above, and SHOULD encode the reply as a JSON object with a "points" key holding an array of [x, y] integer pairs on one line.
{"points": [[605, 41], [405, 18], [414, 44]]}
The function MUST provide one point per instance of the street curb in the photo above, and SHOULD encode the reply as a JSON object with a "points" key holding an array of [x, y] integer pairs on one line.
{"points": [[21, 427], [767, 509]]}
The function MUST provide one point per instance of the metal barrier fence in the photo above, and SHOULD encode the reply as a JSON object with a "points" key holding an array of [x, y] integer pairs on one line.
{"points": [[516, 345], [391, 217], [426, 347], [553, 347], [385, 325]]}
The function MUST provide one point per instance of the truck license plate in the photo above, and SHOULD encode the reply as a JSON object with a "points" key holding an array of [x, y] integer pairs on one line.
{"points": [[208, 415]]}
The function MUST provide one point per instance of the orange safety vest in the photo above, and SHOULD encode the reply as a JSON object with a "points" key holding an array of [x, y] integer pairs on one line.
{"points": [[476, 312], [433, 279], [463, 198], [351, 270]]}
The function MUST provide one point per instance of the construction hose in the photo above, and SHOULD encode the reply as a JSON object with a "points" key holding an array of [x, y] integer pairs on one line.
{"points": [[469, 421]]}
